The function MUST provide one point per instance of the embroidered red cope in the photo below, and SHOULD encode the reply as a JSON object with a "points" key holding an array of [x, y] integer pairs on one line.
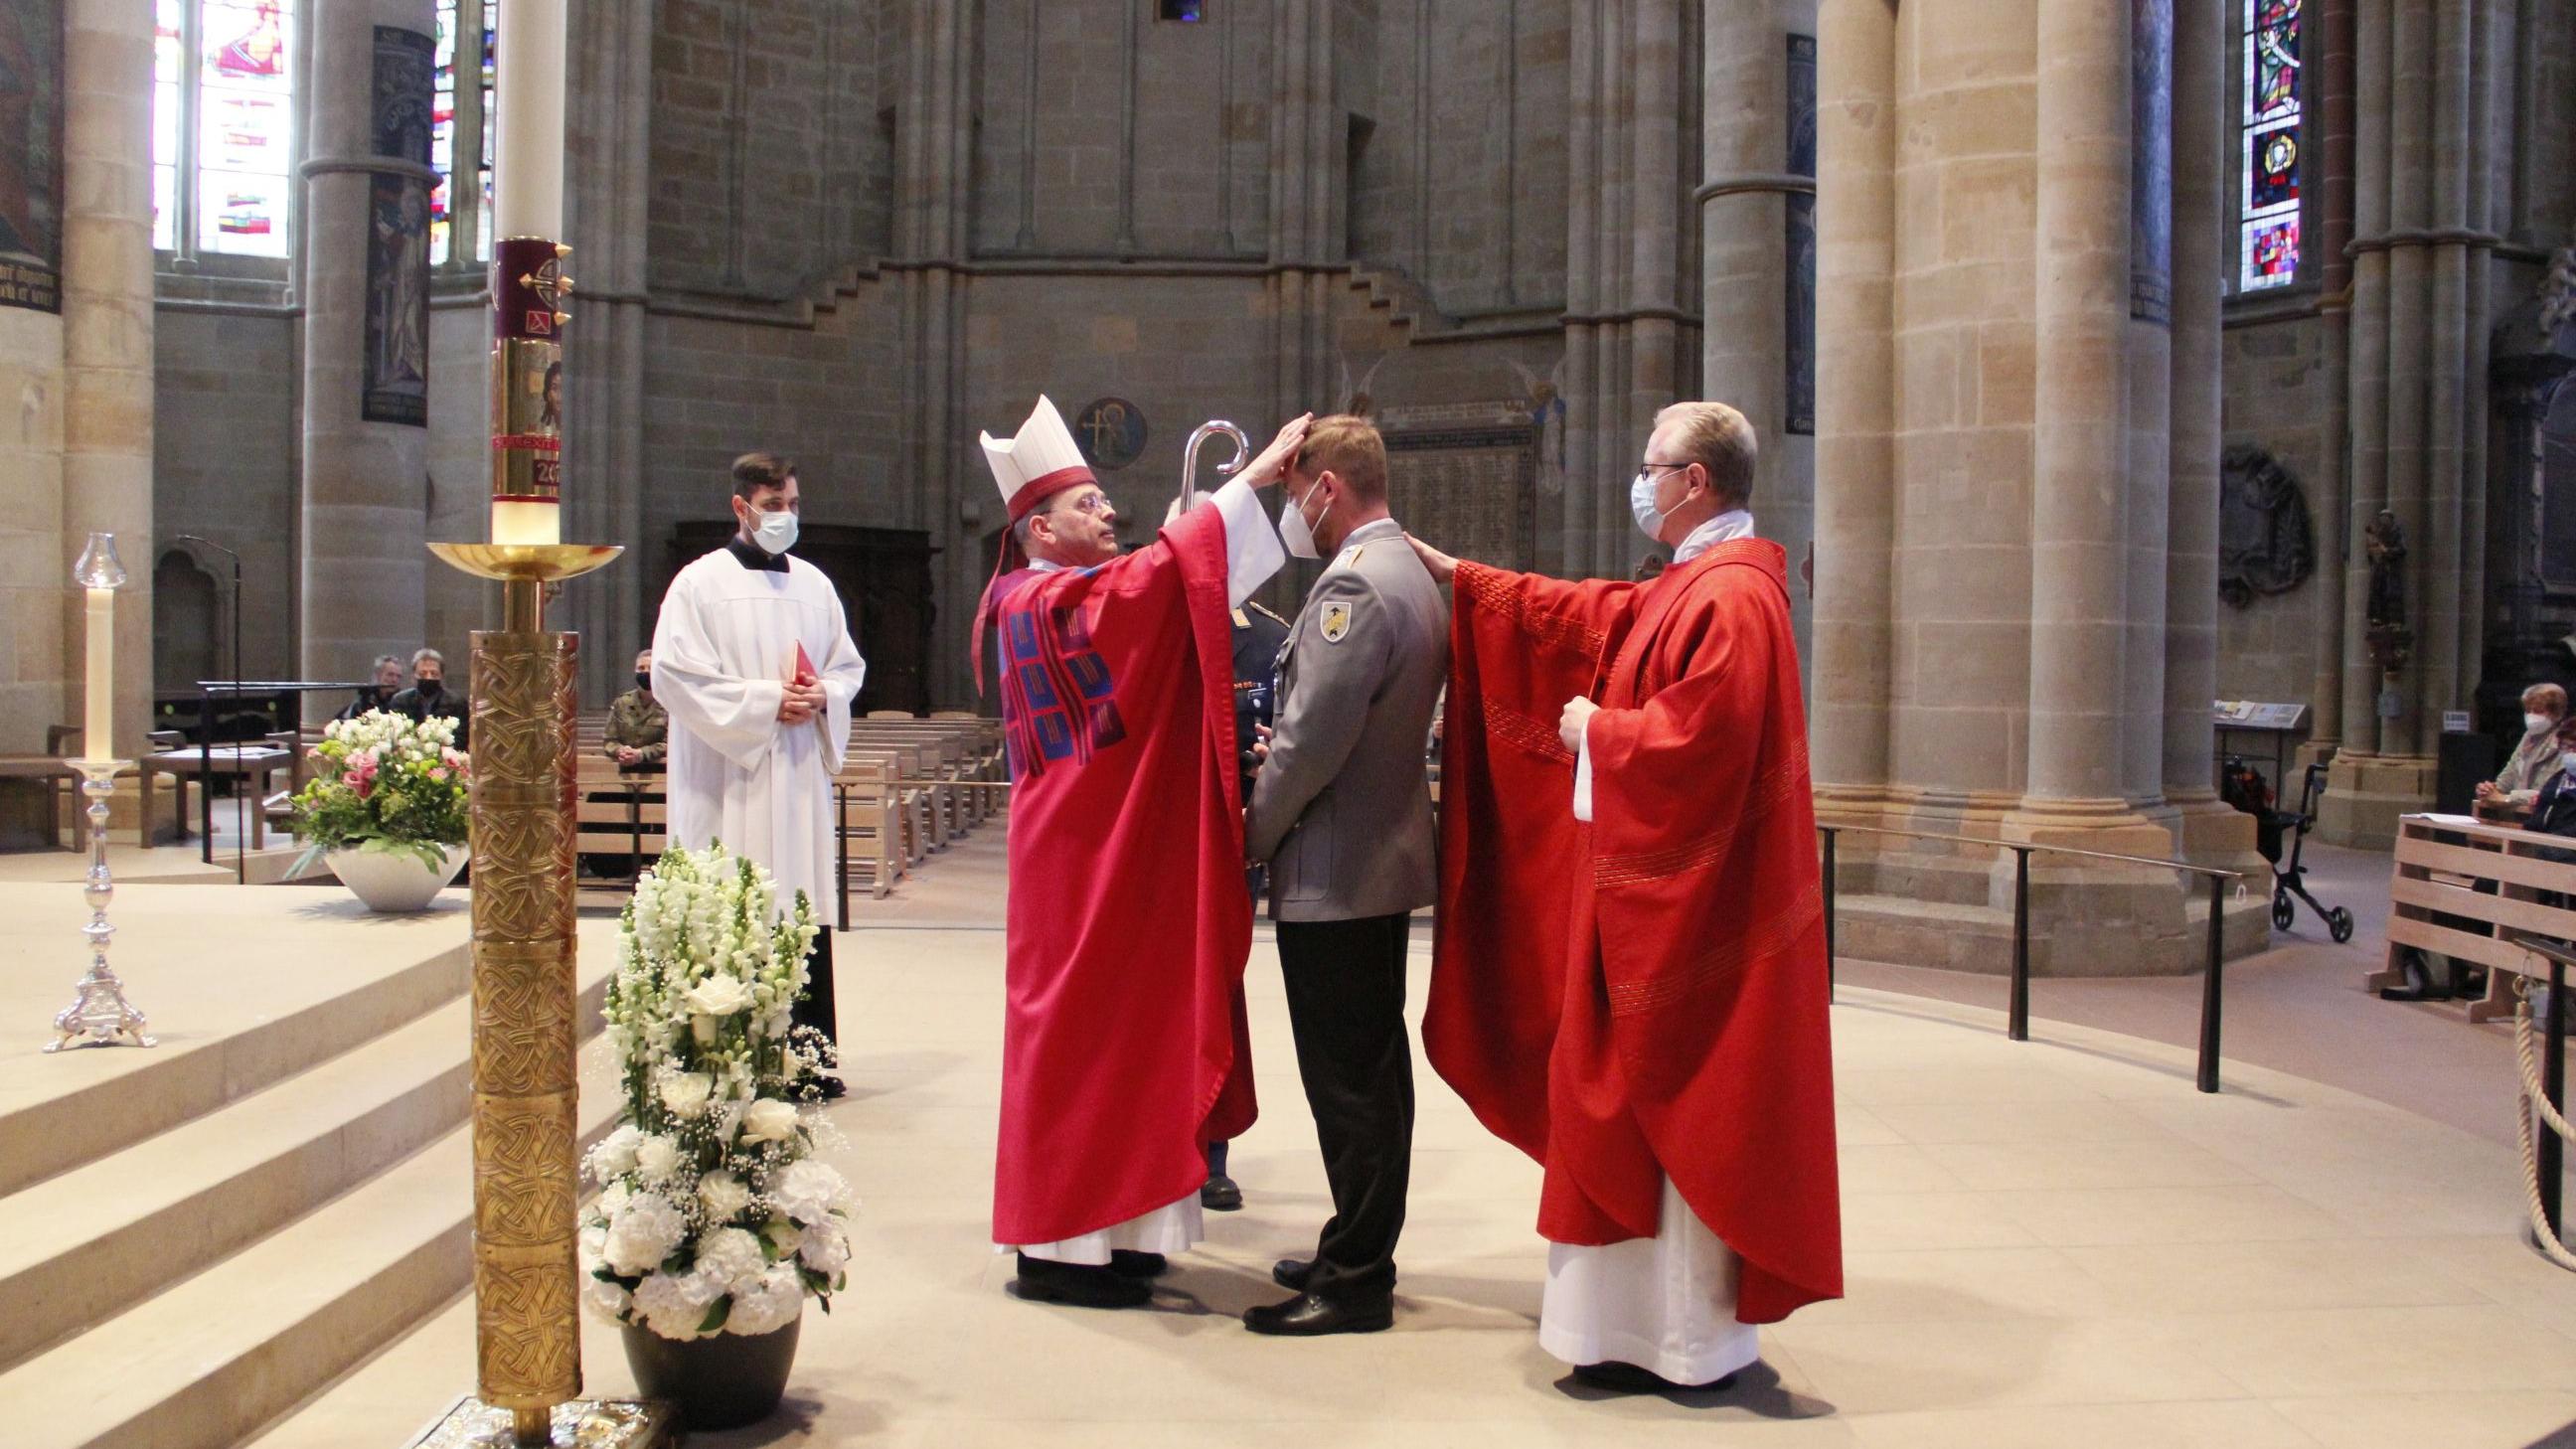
{"points": [[1123, 1051]]}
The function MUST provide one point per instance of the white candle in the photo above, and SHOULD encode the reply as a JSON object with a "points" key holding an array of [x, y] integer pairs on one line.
{"points": [[516, 521], [97, 740], [529, 85]]}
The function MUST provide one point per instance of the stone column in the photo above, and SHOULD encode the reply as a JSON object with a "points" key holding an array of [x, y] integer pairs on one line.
{"points": [[2331, 163], [1746, 267], [2207, 830], [2418, 338], [933, 182], [1625, 323], [2080, 456], [364, 567], [1855, 520], [107, 339], [607, 180], [2148, 524]]}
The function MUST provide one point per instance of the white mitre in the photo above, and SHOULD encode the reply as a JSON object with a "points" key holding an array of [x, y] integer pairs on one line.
{"points": [[1041, 460]]}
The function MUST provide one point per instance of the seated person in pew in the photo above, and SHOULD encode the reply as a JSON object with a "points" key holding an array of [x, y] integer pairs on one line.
{"points": [[2535, 760], [639, 729]]}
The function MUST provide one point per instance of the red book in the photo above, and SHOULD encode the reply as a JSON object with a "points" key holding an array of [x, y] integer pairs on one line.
{"points": [[805, 666]]}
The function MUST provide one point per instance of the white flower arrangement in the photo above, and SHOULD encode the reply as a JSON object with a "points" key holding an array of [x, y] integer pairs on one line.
{"points": [[714, 1215]]}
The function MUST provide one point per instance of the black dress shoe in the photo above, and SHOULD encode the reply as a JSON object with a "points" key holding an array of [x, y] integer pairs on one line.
{"points": [[1308, 1316], [1128, 1264], [1292, 1273], [1079, 1285], [832, 1088], [1627, 1378], [1220, 1195]]}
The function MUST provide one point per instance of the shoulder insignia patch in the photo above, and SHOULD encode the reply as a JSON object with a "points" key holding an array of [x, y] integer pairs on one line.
{"points": [[1240, 621], [1336, 622]]}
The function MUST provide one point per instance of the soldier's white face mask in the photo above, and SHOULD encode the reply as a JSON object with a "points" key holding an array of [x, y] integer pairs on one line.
{"points": [[1294, 530]]}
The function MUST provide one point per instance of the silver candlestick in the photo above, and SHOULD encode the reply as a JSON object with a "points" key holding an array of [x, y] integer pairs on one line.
{"points": [[100, 1015]]}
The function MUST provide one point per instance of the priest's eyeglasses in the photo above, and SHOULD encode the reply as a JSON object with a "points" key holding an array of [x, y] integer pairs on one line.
{"points": [[1090, 503]]}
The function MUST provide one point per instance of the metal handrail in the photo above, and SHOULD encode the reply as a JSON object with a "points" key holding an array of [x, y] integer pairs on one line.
{"points": [[2017, 1013]]}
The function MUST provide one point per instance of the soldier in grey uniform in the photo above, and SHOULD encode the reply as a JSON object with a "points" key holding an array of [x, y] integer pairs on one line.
{"points": [[1341, 811]]}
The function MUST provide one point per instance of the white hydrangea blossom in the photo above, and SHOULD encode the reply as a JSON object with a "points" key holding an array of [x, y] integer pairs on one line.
{"points": [[710, 966]]}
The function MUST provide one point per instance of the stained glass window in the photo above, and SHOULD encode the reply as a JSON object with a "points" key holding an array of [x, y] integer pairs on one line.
{"points": [[462, 107], [2267, 250], [223, 119]]}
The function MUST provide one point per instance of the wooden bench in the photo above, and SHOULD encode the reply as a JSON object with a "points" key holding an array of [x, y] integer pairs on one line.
{"points": [[2441, 863], [869, 833], [620, 813]]}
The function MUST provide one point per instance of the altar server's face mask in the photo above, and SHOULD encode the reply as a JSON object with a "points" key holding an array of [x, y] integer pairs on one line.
{"points": [[770, 523], [1294, 530]]}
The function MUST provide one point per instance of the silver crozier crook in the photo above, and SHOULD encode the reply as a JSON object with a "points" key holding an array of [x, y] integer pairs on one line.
{"points": [[1190, 457]]}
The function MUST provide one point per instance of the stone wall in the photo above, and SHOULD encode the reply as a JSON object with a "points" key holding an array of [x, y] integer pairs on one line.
{"points": [[2278, 392], [224, 464], [34, 569]]}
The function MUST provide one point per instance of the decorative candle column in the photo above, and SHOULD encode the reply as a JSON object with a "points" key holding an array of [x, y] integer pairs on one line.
{"points": [[100, 1015], [526, 1090]]}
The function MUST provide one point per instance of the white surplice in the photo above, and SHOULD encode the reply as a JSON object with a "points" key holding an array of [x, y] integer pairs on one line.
{"points": [[1252, 555], [722, 651], [1667, 1303]]}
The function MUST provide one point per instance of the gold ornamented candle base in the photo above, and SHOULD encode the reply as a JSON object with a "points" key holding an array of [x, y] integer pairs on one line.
{"points": [[580, 1424], [526, 1096]]}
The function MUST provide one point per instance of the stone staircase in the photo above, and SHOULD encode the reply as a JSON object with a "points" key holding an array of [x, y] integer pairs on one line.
{"points": [[193, 1249]]}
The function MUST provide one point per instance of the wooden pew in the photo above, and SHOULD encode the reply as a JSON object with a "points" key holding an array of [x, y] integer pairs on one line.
{"points": [[2440, 863]]}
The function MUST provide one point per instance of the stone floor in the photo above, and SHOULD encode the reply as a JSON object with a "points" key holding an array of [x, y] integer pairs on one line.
{"points": [[2052, 1243]]}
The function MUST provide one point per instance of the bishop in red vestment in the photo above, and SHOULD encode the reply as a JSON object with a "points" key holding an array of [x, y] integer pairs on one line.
{"points": [[1630, 981], [1123, 1048]]}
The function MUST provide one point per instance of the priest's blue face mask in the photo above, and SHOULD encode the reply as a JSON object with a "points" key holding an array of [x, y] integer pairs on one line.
{"points": [[1642, 491]]}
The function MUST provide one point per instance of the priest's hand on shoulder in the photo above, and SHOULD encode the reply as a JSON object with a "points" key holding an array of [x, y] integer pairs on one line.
{"points": [[1577, 717], [1443, 568], [1264, 470]]}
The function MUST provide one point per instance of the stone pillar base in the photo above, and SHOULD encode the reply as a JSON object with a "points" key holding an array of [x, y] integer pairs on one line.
{"points": [[1949, 903], [2366, 793], [2313, 752]]}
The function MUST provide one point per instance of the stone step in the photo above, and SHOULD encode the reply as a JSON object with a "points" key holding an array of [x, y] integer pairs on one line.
{"points": [[86, 1244], [218, 1356], [303, 1012]]}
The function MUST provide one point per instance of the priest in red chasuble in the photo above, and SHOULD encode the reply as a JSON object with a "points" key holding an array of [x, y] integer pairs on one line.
{"points": [[1629, 982], [1123, 1046]]}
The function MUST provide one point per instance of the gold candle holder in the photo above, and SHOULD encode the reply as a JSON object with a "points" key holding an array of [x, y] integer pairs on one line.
{"points": [[526, 1085]]}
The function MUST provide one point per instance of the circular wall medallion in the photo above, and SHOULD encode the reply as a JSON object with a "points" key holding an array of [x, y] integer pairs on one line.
{"points": [[1110, 432]]}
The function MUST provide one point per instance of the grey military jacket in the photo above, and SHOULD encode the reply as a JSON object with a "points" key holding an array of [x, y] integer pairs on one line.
{"points": [[1342, 809]]}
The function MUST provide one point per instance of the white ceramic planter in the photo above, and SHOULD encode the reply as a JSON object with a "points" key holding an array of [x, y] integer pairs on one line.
{"points": [[394, 883]]}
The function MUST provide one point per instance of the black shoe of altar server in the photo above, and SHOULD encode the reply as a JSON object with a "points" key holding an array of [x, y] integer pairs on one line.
{"points": [[1310, 1316], [1079, 1285], [1127, 1263], [1292, 1274], [1627, 1378], [1220, 1195]]}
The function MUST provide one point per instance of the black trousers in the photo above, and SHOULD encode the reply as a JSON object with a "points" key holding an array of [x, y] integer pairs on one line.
{"points": [[815, 1010], [1346, 1008]]}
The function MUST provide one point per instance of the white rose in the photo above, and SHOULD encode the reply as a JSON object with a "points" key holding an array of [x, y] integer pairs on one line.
{"points": [[769, 1120], [606, 1299], [615, 1154], [614, 1200], [768, 1305], [657, 1157], [724, 1195], [674, 1304], [825, 1249], [729, 1257], [808, 1191], [643, 1234], [718, 995], [686, 1093]]}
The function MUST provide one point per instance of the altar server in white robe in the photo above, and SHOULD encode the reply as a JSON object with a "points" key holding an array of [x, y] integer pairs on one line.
{"points": [[752, 657]]}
